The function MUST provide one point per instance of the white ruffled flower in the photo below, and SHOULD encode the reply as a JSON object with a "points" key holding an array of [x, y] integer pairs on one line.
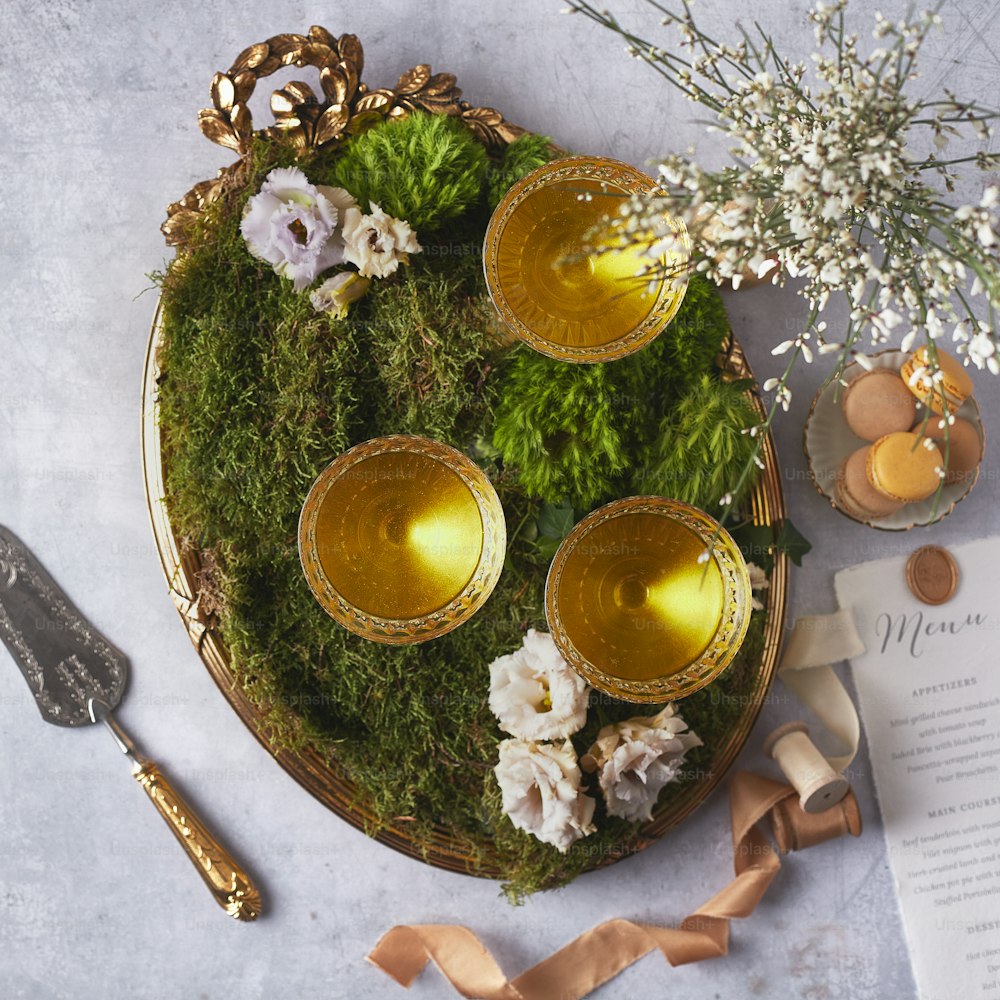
{"points": [[291, 224], [336, 294], [758, 581], [540, 787], [535, 694], [636, 758], [377, 243]]}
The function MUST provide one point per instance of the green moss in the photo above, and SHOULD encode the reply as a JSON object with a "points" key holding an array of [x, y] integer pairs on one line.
{"points": [[525, 154], [693, 339], [258, 394], [424, 168], [699, 443], [567, 429], [582, 432]]}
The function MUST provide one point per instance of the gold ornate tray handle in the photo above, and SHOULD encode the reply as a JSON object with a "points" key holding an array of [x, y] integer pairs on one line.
{"points": [[229, 884], [344, 107]]}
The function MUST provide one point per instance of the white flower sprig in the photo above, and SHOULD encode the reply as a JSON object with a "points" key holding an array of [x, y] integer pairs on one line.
{"points": [[293, 225], [824, 188]]}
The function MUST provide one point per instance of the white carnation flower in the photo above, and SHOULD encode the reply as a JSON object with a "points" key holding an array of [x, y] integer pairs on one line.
{"points": [[377, 243], [636, 758], [535, 694], [540, 786]]}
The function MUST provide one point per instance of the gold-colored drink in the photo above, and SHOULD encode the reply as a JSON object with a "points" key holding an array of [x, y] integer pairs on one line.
{"points": [[553, 287], [402, 539], [638, 605]]}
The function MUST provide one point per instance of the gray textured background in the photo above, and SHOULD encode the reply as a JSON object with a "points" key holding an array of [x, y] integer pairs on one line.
{"points": [[99, 108]]}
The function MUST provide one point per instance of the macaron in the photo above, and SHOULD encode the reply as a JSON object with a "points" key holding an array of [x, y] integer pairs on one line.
{"points": [[855, 495], [965, 450], [903, 466], [878, 403], [955, 386]]}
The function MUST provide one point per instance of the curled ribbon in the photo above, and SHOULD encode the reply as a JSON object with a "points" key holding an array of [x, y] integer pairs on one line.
{"points": [[815, 642], [604, 951]]}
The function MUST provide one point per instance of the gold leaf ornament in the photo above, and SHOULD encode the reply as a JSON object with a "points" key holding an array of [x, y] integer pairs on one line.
{"points": [[345, 107], [441, 84], [331, 123], [376, 100], [215, 126], [413, 80], [334, 84], [319, 34], [223, 92], [252, 57]]}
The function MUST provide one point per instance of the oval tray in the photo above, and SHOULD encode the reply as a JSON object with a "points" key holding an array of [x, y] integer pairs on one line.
{"points": [[305, 118], [321, 776]]}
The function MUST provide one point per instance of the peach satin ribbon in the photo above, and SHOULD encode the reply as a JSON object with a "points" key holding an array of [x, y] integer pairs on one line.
{"points": [[602, 952]]}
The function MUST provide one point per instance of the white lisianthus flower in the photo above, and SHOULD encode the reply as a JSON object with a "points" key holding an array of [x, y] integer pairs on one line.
{"points": [[636, 758], [336, 294], [535, 694], [377, 243], [540, 787], [758, 581], [292, 224]]}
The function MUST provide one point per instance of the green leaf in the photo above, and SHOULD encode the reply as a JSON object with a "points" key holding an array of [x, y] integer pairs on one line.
{"points": [[547, 547], [555, 521], [755, 542], [793, 542]]}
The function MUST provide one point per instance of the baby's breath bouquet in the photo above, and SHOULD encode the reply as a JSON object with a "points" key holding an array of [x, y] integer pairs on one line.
{"points": [[826, 187]]}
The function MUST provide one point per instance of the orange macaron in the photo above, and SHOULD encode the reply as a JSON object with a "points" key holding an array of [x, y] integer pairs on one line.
{"points": [[954, 387], [904, 466], [964, 449]]}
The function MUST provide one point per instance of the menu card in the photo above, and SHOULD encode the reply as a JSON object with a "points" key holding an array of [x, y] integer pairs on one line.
{"points": [[929, 692]]}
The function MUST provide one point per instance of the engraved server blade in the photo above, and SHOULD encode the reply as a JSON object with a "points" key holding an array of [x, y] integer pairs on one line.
{"points": [[64, 659]]}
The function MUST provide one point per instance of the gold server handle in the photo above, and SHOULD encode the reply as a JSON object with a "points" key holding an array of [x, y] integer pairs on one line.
{"points": [[231, 887], [229, 884]]}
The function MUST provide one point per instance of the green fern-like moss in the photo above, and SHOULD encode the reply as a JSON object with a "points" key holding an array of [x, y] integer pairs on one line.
{"points": [[573, 432], [424, 168], [694, 338], [527, 153], [567, 429], [699, 443]]}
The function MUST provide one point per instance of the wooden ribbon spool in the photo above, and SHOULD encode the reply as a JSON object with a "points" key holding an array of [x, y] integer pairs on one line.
{"points": [[818, 785]]}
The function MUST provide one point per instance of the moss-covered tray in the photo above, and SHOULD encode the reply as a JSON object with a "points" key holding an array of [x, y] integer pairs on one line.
{"points": [[248, 394]]}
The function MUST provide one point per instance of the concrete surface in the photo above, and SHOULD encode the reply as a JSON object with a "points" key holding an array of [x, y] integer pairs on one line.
{"points": [[99, 109]]}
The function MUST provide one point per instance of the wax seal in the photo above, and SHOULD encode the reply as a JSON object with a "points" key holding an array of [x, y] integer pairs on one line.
{"points": [[932, 574]]}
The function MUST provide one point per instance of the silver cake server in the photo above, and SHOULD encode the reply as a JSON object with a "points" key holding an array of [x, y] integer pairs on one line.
{"points": [[77, 678]]}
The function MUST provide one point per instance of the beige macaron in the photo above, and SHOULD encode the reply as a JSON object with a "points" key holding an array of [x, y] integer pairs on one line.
{"points": [[954, 388], [877, 403], [855, 495], [904, 466], [964, 448]]}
